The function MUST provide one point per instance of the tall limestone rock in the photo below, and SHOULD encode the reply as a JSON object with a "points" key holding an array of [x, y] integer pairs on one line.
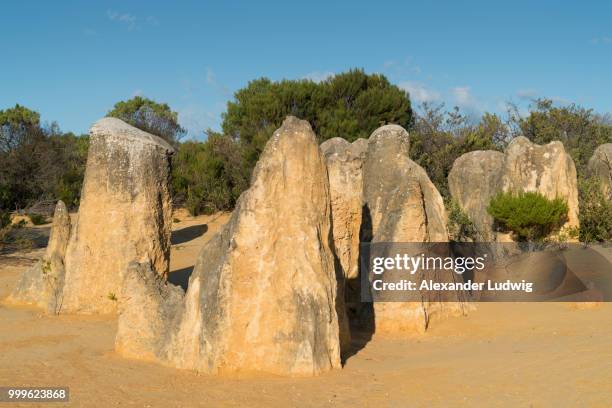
{"points": [[600, 166], [473, 180], [262, 293], [125, 215], [401, 205], [42, 284], [344, 162], [478, 176]]}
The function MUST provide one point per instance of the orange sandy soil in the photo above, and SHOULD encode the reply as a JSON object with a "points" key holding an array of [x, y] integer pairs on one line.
{"points": [[500, 355]]}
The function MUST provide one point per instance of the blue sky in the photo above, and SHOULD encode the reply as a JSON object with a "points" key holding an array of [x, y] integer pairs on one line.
{"points": [[71, 61]]}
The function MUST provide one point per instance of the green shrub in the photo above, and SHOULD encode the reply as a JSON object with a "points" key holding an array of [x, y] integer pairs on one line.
{"points": [[530, 215], [460, 227], [595, 212], [5, 218], [37, 219]]}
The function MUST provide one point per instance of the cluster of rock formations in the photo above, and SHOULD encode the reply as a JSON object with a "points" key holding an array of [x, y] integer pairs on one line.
{"points": [[267, 292], [524, 166], [125, 215], [263, 292]]}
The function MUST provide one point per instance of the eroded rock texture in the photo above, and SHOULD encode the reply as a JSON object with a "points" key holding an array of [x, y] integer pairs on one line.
{"points": [[477, 176], [546, 169], [42, 284], [262, 294], [344, 162], [473, 180], [600, 166], [124, 216], [401, 205]]}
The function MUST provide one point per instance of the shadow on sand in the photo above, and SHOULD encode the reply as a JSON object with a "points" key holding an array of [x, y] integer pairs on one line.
{"points": [[188, 234]]}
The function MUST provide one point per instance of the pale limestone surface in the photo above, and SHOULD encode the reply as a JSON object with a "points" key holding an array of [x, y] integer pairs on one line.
{"points": [[262, 294], [42, 284], [402, 205], [125, 215]]}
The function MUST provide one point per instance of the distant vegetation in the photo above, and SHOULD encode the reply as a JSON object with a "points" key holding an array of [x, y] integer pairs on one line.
{"points": [[41, 164], [530, 215]]}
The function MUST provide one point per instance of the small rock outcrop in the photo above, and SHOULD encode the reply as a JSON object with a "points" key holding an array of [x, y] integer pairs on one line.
{"points": [[473, 180], [478, 176], [147, 307], [124, 215], [42, 284], [600, 166], [344, 162], [401, 205], [262, 293]]}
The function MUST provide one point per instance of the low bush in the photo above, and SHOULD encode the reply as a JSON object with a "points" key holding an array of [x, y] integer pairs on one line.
{"points": [[529, 215], [460, 227], [38, 219]]}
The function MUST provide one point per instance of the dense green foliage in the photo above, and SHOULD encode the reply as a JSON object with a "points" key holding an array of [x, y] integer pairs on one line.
{"points": [[37, 219], [580, 130], [5, 218], [348, 105], [209, 176], [530, 215], [595, 212], [38, 163], [150, 116]]}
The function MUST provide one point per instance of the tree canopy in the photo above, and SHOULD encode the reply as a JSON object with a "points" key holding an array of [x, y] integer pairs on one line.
{"points": [[348, 105], [150, 116]]}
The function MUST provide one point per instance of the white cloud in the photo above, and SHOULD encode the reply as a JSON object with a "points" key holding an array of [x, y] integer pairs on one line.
{"points": [[125, 18], [137, 92], [601, 40], [318, 76], [463, 95], [419, 92], [527, 94], [464, 99]]}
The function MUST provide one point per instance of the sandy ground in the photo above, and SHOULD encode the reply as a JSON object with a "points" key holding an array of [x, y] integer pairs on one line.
{"points": [[500, 355]]}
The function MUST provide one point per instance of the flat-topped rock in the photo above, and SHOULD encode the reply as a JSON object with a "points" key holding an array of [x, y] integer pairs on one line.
{"points": [[124, 215]]}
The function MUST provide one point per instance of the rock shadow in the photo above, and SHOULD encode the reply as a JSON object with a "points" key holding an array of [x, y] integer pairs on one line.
{"points": [[360, 312], [180, 277], [188, 234]]}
